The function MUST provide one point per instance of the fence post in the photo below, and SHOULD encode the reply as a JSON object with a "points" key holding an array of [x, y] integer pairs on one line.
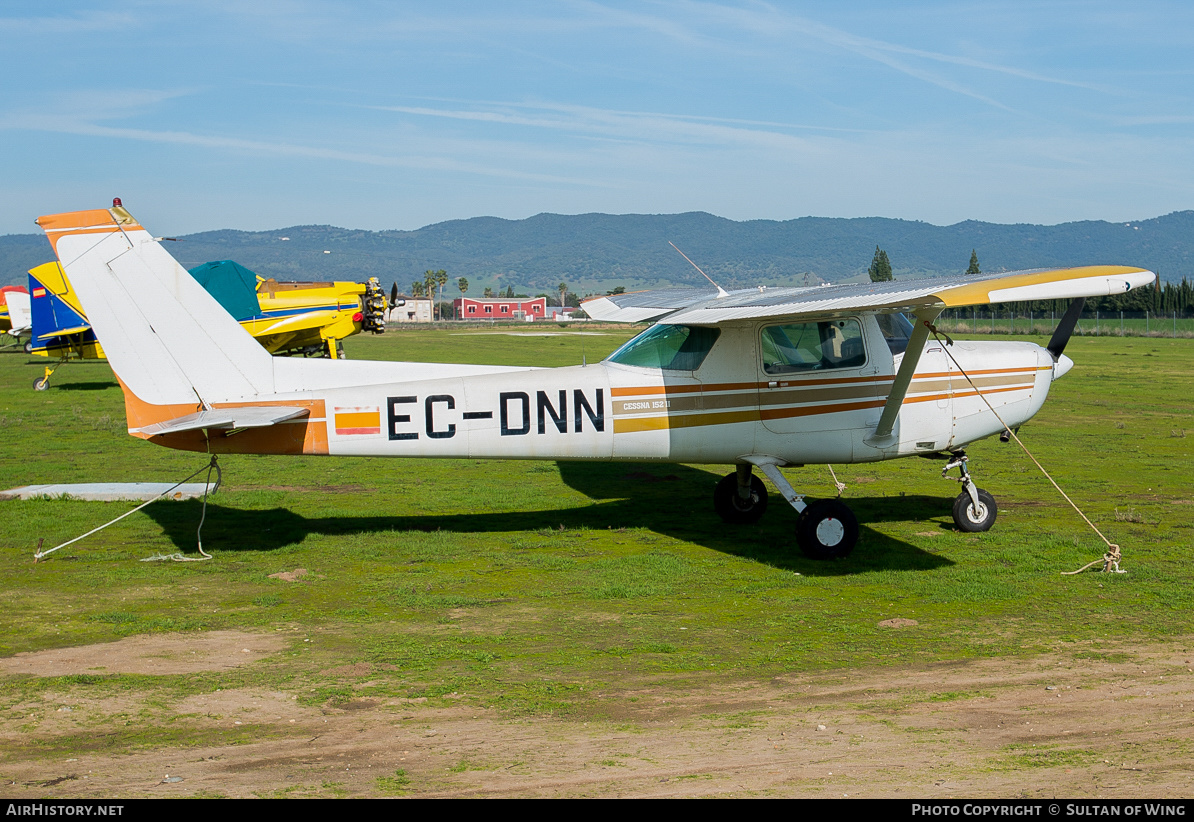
{"points": [[1121, 323]]}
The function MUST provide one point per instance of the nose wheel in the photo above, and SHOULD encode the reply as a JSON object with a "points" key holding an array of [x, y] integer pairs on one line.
{"points": [[971, 516], [974, 509]]}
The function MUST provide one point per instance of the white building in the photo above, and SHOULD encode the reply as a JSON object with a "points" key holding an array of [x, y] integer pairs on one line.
{"points": [[411, 310]]}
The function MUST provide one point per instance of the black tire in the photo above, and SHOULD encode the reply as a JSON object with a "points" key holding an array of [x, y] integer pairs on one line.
{"points": [[29, 347], [732, 508], [971, 521], [41, 384], [827, 529]]}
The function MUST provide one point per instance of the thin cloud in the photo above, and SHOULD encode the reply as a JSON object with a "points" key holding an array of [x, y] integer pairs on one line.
{"points": [[625, 125], [68, 23], [770, 22], [64, 124]]}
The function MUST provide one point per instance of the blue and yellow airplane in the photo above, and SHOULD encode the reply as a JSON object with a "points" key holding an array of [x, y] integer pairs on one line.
{"points": [[310, 319]]}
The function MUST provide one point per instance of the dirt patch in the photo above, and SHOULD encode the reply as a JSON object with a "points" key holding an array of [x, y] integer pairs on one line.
{"points": [[290, 576], [898, 622], [356, 670], [1089, 722], [149, 654]]}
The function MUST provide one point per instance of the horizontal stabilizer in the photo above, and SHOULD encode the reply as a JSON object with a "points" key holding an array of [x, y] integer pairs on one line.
{"points": [[254, 416], [62, 332], [640, 306]]}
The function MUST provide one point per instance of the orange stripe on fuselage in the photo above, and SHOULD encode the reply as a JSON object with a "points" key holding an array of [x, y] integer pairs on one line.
{"points": [[795, 381], [305, 435]]}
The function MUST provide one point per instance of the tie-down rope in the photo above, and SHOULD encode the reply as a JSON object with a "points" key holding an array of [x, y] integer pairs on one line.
{"points": [[1110, 559], [214, 464]]}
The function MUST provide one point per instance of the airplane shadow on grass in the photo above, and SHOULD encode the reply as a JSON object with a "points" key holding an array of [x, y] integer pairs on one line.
{"points": [[673, 500], [84, 386], [68, 377]]}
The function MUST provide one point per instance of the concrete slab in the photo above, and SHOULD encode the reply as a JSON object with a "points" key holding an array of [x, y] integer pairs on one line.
{"points": [[106, 491]]}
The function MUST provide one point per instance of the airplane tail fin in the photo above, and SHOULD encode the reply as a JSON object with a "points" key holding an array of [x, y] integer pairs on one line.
{"points": [[167, 339], [19, 314]]}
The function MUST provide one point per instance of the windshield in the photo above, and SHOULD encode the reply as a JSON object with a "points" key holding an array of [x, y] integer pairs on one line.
{"points": [[672, 347]]}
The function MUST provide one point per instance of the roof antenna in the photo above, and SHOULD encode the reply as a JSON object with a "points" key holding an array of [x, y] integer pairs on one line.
{"points": [[721, 292]]}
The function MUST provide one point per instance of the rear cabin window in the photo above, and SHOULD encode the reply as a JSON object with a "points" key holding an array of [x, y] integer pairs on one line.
{"points": [[797, 347], [672, 347]]}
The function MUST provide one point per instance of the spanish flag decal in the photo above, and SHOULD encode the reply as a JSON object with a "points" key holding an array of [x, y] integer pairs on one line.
{"points": [[357, 421]]}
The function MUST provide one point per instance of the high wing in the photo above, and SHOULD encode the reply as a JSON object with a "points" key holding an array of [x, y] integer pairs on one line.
{"points": [[923, 298], [704, 307]]}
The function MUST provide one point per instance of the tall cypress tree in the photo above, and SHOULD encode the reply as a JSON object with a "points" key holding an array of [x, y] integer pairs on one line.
{"points": [[974, 269], [880, 268]]}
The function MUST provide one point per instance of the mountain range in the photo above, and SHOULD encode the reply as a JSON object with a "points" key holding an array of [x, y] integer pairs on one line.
{"points": [[594, 253]]}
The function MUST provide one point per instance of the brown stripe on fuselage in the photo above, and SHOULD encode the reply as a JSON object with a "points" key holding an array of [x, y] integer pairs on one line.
{"points": [[820, 401], [833, 392]]}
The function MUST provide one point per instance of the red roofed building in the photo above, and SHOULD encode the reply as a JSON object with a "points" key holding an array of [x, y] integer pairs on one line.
{"points": [[500, 308]]}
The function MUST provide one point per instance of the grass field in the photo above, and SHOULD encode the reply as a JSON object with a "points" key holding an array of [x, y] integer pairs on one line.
{"points": [[534, 588]]}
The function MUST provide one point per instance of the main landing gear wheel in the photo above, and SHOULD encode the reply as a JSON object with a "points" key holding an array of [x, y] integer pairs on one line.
{"points": [[731, 507], [826, 529], [41, 384], [973, 519]]}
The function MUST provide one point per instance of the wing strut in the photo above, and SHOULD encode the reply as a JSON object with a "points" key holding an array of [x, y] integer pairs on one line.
{"points": [[903, 378]]}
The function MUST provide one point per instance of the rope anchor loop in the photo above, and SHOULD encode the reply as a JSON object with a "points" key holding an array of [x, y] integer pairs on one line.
{"points": [[213, 465]]}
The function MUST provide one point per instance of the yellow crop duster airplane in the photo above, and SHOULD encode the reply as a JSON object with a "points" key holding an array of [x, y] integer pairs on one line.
{"points": [[761, 378]]}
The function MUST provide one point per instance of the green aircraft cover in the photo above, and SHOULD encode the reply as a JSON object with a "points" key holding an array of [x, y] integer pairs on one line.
{"points": [[233, 286]]}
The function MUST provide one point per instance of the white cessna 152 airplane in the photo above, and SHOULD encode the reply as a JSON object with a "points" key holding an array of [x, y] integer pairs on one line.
{"points": [[760, 378]]}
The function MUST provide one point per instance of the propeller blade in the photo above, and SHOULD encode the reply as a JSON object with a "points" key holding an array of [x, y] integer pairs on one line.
{"points": [[1065, 328]]}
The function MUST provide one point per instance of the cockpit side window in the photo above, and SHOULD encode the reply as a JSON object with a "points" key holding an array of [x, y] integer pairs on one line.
{"points": [[672, 347], [796, 347], [896, 328]]}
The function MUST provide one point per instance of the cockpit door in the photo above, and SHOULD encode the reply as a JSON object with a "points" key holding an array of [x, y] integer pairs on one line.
{"points": [[817, 376]]}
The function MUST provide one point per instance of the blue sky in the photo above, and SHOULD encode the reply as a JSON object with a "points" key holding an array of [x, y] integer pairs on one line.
{"points": [[205, 115]]}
